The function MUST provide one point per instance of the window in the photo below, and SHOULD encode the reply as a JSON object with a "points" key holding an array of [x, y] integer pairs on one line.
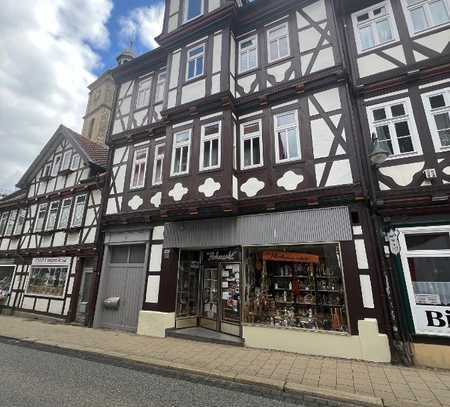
{"points": [[47, 170], [374, 26], [248, 54], [287, 141], [278, 42], [56, 165], [52, 216], [192, 9], [426, 14], [161, 86], [210, 146], [11, 223], [75, 162], [65, 213], [143, 93], [66, 160], [134, 254], [425, 255], [48, 281], [139, 168], [180, 152], [20, 221], [303, 284], [195, 62], [394, 126], [437, 106], [158, 164], [251, 145], [42, 211], [78, 211], [3, 222]]}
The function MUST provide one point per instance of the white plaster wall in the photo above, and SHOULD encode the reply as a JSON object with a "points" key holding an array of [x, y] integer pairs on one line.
{"points": [[217, 52], [193, 91], [372, 64], [152, 294]]}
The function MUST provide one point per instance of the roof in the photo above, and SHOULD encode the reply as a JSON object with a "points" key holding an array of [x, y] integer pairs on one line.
{"points": [[14, 197], [93, 153]]}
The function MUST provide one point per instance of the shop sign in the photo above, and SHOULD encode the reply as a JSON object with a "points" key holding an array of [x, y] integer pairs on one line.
{"points": [[290, 256], [223, 255], [52, 261], [432, 320]]}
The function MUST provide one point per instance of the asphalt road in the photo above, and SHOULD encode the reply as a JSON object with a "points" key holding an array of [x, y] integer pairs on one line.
{"points": [[35, 378]]}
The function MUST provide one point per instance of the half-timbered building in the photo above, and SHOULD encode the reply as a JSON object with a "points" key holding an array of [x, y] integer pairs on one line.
{"points": [[236, 200], [399, 64]]}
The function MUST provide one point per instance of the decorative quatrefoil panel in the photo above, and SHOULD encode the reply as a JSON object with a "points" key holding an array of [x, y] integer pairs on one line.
{"points": [[135, 203], [178, 191], [209, 187], [290, 181], [156, 200], [252, 187]]}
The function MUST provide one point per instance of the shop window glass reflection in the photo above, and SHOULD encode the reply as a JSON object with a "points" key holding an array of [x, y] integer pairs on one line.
{"points": [[295, 287], [188, 284]]}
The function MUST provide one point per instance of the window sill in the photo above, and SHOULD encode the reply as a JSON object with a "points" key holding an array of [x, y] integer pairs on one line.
{"points": [[249, 72], [209, 170], [253, 167], [68, 171], [193, 80], [46, 232], [403, 155], [173, 176], [288, 162], [378, 47], [46, 178], [137, 189], [279, 61], [74, 229], [56, 297]]}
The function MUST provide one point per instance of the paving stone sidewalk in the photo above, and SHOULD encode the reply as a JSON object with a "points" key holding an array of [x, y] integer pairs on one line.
{"points": [[396, 386]]}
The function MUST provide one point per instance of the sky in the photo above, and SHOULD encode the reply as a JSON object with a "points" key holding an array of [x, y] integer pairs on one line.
{"points": [[50, 51]]}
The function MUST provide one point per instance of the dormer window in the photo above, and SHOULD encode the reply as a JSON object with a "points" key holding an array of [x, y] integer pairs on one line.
{"points": [[374, 26], [47, 170], [192, 9], [195, 62]]}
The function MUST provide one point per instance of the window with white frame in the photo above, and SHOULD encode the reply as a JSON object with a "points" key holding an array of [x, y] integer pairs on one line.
{"points": [[20, 221], [374, 26], [143, 93], [195, 62], [287, 137], [210, 146], [161, 85], [66, 160], [192, 9], [426, 14], [251, 145], [47, 281], [158, 163], [78, 211], [180, 152], [56, 165], [11, 222], [40, 219], [248, 54], [52, 216], [65, 213], [425, 255], [3, 222], [139, 168], [394, 126], [278, 42], [437, 106], [75, 163]]}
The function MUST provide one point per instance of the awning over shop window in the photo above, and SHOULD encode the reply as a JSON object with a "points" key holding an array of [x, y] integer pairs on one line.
{"points": [[314, 225]]}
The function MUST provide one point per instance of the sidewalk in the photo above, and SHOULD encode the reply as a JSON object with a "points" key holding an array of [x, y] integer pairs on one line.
{"points": [[320, 377]]}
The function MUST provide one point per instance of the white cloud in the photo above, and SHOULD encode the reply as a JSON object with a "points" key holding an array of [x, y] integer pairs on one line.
{"points": [[47, 56], [142, 24]]}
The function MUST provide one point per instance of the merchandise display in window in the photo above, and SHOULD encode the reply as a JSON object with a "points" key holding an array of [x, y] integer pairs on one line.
{"points": [[298, 287], [47, 281], [188, 279]]}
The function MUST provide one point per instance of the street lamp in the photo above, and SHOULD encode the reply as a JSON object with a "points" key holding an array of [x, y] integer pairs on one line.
{"points": [[378, 153]]}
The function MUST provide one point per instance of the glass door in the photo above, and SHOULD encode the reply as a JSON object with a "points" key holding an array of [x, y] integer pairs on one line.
{"points": [[210, 296], [230, 298]]}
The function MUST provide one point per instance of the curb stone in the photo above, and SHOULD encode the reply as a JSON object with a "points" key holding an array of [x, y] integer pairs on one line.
{"points": [[310, 395]]}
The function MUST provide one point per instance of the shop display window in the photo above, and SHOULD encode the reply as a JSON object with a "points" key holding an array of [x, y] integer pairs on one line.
{"points": [[188, 284], [295, 287], [6, 275], [47, 281]]}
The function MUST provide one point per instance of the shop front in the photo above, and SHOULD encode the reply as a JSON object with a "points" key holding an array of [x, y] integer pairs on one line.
{"points": [[7, 268], [286, 281], [422, 259]]}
